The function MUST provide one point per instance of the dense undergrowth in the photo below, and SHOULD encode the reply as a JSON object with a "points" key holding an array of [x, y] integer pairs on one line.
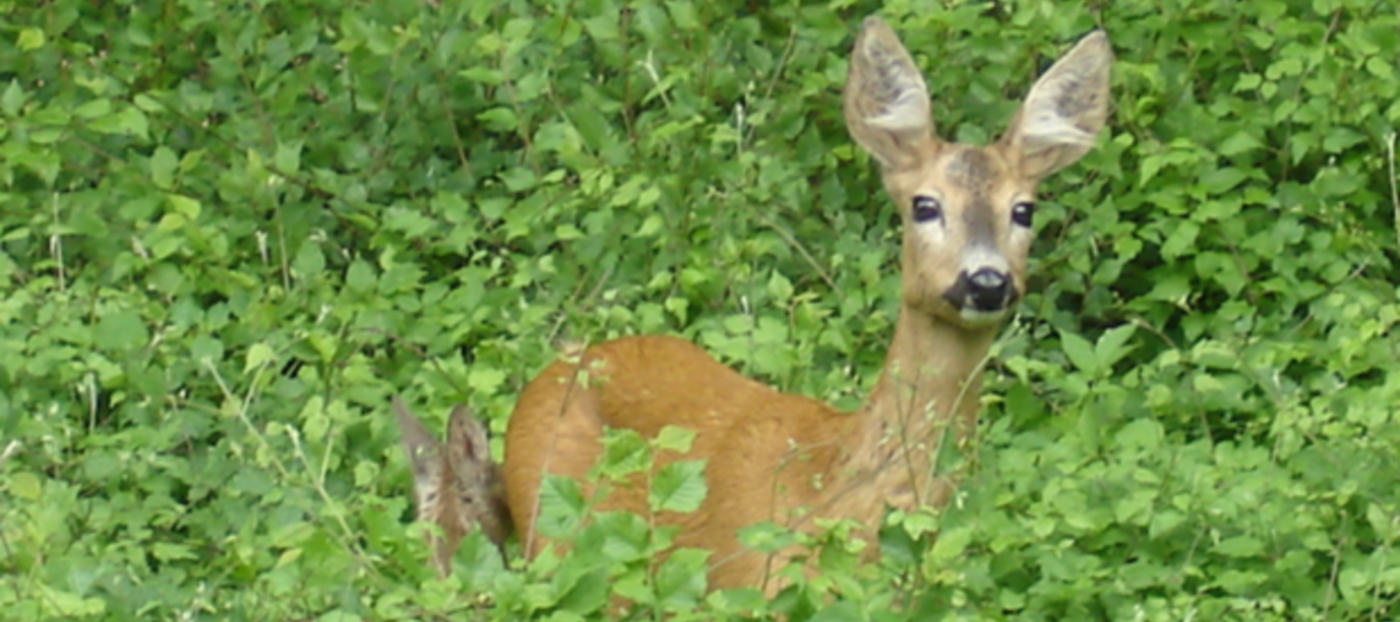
{"points": [[229, 231]]}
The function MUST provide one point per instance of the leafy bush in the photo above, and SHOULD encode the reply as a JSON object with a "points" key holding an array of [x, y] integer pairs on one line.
{"points": [[230, 231]]}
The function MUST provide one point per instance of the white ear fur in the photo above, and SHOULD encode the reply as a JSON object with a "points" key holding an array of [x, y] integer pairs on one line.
{"points": [[886, 99], [1060, 120]]}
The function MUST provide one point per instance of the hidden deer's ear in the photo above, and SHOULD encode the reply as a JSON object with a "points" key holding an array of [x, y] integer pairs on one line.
{"points": [[422, 448], [1060, 120], [886, 102], [466, 438]]}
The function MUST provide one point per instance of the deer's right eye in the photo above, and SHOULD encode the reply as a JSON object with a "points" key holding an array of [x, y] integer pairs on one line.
{"points": [[927, 209]]}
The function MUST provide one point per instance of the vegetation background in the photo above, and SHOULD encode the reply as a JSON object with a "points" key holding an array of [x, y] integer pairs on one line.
{"points": [[229, 231]]}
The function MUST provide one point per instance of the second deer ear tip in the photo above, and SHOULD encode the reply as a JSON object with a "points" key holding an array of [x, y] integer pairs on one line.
{"points": [[1097, 38], [873, 25], [872, 21]]}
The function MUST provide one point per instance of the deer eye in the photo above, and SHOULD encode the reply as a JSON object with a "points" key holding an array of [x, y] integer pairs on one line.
{"points": [[926, 209], [1023, 213]]}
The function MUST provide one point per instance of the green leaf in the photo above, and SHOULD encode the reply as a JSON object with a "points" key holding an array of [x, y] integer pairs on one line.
{"points": [[674, 438], [780, 288], [766, 537], [287, 158], [128, 121], [360, 277], [1240, 142], [1182, 239], [94, 108], [678, 487], [31, 39], [121, 331], [207, 348], [184, 206], [845, 611], [624, 452], [1222, 180], [259, 355], [309, 261], [951, 544], [169, 551], [25, 485], [562, 507], [485, 380], [1113, 345], [13, 98], [680, 581], [1080, 352], [1240, 546], [163, 163]]}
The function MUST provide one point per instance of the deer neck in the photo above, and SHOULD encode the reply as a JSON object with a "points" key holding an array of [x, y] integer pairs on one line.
{"points": [[930, 387]]}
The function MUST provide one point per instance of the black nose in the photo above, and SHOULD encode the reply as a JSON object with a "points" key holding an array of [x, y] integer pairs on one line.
{"points": [[986, 289]]}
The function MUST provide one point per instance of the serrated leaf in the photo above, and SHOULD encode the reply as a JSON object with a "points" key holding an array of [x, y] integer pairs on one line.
{"points": [[25, 485], [680, 582], [678, 487], [168, 551], [951, 543], [485, 380], [93, 108], [651, 225], [128, 121], [1079, 352], [501, 119], [287, 159], [624, 452], [766, 537], [1181, 240], [309, 260], [1113, 345], [844, 611], [1240, 546], [259, 354], [31, 39], [147, 103], [184, 206], [163, 163], [121, 331], [483, 74], [674, 438], [1238, 143], [561, 508], [1222, 180], [360, 277], [780, 288], [206, 347], [13, 98], [315, 421]]}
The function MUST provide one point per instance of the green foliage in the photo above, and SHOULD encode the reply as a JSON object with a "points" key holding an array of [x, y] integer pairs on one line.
{"points": [[230, 231]]}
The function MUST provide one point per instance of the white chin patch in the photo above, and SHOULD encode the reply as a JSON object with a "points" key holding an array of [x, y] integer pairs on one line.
{"points": [[974, 317]]}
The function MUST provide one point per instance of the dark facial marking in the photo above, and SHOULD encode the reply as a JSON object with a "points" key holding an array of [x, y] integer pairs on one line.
{"points": [[973, 171]]}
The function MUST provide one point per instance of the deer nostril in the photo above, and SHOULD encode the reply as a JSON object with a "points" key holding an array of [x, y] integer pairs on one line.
{"points": [[988, 279], [986, 289]]}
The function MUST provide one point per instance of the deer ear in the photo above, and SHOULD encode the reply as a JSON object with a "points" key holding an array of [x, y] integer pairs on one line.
{"points": [[421, 447], [1060, 120], [886, 102], [466, 438]]}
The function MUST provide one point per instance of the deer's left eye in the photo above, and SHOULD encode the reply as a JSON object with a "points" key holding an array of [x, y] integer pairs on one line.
{"points": [[1023, 213]]}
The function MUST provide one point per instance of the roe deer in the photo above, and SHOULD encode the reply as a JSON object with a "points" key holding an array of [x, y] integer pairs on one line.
{"points": [[790, 459], [456, 485]]}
